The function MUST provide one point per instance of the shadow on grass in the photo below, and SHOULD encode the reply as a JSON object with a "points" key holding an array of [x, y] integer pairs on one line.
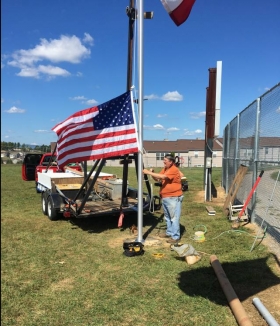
{"points": [[247, 278], [99, 224]]}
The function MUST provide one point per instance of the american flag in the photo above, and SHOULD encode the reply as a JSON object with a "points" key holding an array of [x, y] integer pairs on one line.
{"points": [[102, 131]]}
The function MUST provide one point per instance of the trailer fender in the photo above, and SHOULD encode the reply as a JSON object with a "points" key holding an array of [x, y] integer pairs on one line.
{"points": [[53, 211], [57, 201]]}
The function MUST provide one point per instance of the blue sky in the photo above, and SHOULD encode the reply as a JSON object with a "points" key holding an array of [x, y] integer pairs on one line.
{"points": [[59, 57]]}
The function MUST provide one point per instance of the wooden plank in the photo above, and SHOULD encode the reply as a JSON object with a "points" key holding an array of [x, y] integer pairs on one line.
{"points": [[72, 186], [211, 210], [234, 187], [102, 175], [106, 206], [75, 180]]}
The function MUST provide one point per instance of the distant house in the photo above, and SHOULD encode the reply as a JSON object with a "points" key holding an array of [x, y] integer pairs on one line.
{"points": [[4, 153], [190, 152], [15, 156], [268, 148]]}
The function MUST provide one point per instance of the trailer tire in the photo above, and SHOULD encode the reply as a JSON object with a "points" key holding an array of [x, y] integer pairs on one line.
{"points": [[52, 211], [44, 201]]}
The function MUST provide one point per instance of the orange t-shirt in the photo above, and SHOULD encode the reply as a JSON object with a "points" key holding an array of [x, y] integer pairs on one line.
{"points": [[171, 187]]}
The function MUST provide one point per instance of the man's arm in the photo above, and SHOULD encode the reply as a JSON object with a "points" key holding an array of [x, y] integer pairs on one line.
{"points": [[155, 176]]}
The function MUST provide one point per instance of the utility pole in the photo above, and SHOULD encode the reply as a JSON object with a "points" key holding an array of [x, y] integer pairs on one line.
{"points": [[209, 131]]}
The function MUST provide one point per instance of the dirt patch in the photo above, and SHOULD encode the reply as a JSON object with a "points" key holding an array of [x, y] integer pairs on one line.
{"points": [[270, 299], [218, 199]]}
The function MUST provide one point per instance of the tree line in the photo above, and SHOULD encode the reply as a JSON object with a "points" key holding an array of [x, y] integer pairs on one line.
{"points": [[10, 146]]}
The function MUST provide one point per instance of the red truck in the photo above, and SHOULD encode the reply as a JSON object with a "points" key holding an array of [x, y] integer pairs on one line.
{"points": [[34, 163]]}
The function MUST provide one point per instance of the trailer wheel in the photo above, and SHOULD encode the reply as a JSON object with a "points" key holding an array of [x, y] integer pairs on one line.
{"points": [[52, 212], [44, 201]]}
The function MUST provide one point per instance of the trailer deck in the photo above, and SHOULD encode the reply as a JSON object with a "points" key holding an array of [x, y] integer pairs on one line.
{"points": [[68, 194]]}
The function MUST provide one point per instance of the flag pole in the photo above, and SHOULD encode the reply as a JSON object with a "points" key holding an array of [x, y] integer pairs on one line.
{"points": [[140, 21]]}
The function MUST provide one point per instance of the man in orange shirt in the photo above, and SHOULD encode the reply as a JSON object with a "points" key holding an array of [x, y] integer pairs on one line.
{"points": [[172, 196]]}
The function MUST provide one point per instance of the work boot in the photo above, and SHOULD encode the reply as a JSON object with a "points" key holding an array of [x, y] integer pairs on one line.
{"points": [[172, 240], [165, 236]]}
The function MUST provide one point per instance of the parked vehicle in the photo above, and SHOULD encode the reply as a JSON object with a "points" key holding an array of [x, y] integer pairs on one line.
{"points": [[35, 163]]}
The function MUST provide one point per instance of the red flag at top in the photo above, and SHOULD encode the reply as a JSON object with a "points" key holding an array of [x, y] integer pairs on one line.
{"points": [[179, 10]]}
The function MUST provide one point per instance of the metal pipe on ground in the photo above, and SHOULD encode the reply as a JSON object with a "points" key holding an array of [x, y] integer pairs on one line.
{"points": [[234, 303], [264, 312]]}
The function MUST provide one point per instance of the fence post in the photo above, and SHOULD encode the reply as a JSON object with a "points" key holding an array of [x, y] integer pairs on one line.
{"points": [[256, 157], [226, 158], [237, 146]]}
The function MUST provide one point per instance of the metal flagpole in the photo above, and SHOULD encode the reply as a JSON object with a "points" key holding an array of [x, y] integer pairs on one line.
{"points": [[140, 16]]}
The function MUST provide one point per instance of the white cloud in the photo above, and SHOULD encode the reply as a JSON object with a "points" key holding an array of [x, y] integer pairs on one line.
{"points": [[173, 129], [154, 127], [2, 100], [52, 70], [29, 72], [169, 96], [49, 70], [161, 115], [197, 115], [42, 131], [88, 39], [78, 98], [14, 109], [191, 132], [172, 96], [158, 126], [65, 49], [278, 110], [91, 102], [151, 97]]}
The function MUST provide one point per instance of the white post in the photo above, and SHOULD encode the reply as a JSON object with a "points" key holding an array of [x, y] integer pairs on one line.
{"points": [[218, 98], [140, 20]]}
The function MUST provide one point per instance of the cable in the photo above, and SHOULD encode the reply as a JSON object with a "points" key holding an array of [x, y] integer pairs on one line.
{"points": [[235, 231]]}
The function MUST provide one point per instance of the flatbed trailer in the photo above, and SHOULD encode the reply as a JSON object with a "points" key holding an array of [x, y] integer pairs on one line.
{"points": [[64, 195]]}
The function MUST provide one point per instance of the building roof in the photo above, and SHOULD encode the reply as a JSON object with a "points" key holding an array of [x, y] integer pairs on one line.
{"points": [[179, 145], [248, 142]]}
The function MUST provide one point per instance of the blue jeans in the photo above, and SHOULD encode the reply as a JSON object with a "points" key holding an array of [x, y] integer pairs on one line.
{"points": [[172, 211]]}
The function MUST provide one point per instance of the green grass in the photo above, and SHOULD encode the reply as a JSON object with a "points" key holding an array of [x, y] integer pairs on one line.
{"points": [[62, 273]]}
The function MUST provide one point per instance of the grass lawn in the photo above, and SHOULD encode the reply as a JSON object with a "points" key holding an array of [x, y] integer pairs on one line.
{"points": [[74, 272]]}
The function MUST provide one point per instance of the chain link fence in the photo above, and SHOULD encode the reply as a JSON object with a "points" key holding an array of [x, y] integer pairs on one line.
{"points": [[252, 139]]}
